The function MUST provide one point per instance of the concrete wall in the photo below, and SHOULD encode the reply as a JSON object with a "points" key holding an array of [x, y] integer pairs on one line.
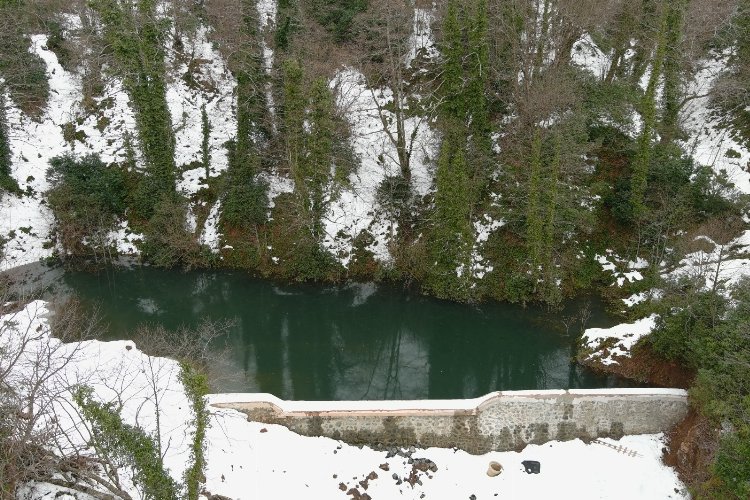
{"points": [[500, 421]]}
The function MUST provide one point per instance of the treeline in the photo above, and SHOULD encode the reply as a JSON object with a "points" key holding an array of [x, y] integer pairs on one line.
{"points": [[573, 162]]}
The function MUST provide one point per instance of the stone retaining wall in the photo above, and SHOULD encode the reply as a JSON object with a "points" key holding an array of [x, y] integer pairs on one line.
{"points": [[500, 421]]}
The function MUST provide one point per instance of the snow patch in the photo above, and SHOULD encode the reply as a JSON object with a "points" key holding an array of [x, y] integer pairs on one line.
{"points": [[355, 210], [619, 339], [210, 234], [710, 142]]}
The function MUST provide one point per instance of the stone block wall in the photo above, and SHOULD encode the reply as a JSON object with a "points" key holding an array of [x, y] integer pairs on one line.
{"points": [[500, 421]]}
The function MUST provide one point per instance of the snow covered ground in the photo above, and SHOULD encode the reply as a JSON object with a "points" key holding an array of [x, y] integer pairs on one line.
{"points": [[619, 340], [252, 460], [356, 208], [249, 460]]}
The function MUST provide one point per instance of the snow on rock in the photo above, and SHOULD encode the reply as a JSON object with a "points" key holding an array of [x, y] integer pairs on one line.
{"points": [[355, 210], [125, 240], [26, 222], [710, 142], [277, 185], [267, 20], [589, 56], [252, 460], [636, 298], [719, 266], [616, 341], [106, 128], [266, 13], [482, 229]]}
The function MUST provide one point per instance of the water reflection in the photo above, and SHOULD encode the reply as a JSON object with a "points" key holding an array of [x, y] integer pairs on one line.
{"points": [[355, 342]]}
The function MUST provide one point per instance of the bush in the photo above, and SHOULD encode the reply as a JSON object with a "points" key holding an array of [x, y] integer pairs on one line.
{"points": [[245, 204], [704, 330], [686, 327], [167, 241], [87, 198]]}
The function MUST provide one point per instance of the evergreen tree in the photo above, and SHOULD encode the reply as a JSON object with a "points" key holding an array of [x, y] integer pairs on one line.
{"points": [[672, 69], [136, 37], [642, 158], [450, 244], [7, 182]]}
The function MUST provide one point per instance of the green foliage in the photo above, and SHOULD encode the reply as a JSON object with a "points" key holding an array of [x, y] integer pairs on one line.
{"points": [[87, 198], [309, 132], [394, 195], [642, 158], [534, 216], [93, 184], [450, 239], [112, 437], [723, 391], [136, 38], [195, 384], [245, 204], [672, 69], [287, 23], [732, 464], [244, 198], [23, 71], [686, 329], [337, 16], [167, 242], [7, 182]]}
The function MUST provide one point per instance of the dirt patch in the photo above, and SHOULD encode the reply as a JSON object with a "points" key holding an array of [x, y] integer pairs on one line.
{"points": [[692, 447], [645, 365]]}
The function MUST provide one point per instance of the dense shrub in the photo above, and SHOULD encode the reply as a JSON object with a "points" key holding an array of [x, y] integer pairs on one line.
{"points": [[705, 330], [167, 241], [87, 198]]}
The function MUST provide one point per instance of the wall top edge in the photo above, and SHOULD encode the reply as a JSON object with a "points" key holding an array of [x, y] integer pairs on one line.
{"points": [[448, 405]]}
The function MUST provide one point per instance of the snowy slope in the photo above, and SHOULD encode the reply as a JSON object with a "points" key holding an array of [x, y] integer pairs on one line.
{"points": [[252, 460]]}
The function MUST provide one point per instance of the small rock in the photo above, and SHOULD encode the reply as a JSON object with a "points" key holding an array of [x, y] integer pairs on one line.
{"points": [[342, 486], [395, 476], [372, 476], [472, 497], [384, 466], [263, 430]]}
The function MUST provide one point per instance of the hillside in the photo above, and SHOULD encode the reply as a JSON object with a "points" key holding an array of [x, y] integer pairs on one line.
{"points": [[512, 150]]}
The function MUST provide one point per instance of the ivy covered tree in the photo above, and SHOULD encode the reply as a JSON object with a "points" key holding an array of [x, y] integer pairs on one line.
{"points": [[7, 182], [135, 34], [464, 153]]}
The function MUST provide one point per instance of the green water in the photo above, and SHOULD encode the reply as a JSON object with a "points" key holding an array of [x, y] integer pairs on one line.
{"points": [[359, 341]]}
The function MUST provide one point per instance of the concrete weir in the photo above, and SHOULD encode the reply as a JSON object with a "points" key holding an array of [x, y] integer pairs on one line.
{"points": [[499, 421]]}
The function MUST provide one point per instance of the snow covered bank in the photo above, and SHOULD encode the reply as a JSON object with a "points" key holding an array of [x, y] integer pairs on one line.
{"points": [[608, 343], [255, 460], [45, 371]]}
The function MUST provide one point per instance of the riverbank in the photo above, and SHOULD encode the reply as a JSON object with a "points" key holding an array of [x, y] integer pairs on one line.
{"points": [[254, 460]]}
